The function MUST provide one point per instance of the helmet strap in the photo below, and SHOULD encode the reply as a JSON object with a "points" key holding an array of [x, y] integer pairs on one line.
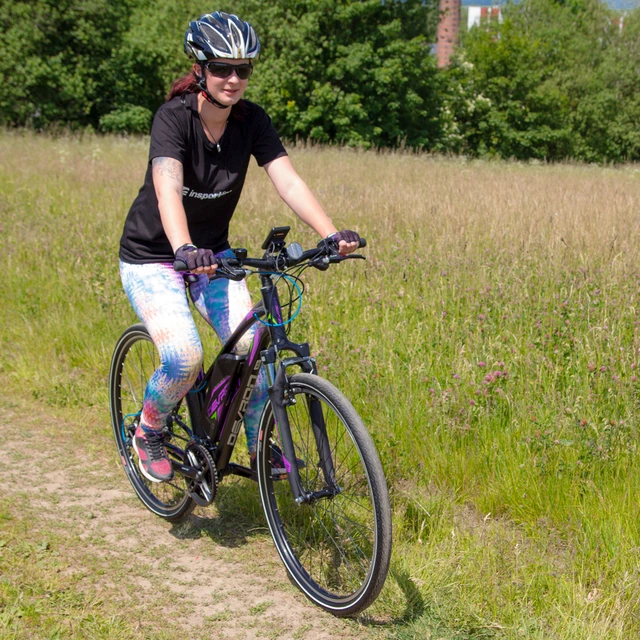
{"points": [[202, 83]]}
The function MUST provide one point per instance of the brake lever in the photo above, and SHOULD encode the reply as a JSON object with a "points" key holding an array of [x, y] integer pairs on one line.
{"points": [[229, 272], [349, 256]]}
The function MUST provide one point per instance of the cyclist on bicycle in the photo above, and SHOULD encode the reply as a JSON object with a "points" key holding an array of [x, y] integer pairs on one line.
{"points": [[201, 142]]}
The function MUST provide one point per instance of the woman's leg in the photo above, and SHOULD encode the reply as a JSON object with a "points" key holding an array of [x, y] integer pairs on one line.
{"points": [[224, 304], [157, 294]]}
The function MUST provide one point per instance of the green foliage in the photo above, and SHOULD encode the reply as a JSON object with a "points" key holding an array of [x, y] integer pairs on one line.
{"points": [[607, 102], [127, 119], [357, 73], [351, 71], [150, 55], [554, 80], [55, 61]]}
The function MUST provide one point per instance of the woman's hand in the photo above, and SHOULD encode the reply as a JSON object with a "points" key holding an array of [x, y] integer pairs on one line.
{"points": [[197, 260], [347, 241]]}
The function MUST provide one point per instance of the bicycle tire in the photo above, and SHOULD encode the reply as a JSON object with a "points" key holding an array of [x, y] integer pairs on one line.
{"points": [[336, 550], [135, 358]]}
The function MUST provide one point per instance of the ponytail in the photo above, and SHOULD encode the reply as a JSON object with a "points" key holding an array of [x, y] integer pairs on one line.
{"points": [[184, 84]]}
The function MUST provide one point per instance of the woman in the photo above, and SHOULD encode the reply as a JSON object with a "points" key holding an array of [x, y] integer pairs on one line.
{"points": [[202, 139]]}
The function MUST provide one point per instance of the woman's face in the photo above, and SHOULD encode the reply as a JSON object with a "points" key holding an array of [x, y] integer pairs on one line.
{"points": [[226, 90]]}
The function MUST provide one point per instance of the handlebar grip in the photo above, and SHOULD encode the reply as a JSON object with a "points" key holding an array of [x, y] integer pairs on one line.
{"points": [[180, 265], [363, 243]]}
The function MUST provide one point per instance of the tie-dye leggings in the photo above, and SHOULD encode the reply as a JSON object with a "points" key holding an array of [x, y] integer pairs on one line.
{"points": [[157, 294]]}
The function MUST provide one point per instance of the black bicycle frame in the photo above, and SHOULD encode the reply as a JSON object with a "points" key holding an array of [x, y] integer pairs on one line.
{"points": [[220, 408]]}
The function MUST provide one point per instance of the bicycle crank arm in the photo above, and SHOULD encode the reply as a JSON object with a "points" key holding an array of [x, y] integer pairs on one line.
{"points": [[186, 471]]}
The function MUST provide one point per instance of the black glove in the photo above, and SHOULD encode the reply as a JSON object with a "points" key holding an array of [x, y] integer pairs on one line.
{"points": [[194, 257], [346, 235]]}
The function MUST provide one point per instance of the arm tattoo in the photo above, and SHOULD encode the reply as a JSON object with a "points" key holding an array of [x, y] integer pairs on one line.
{"points": [[169, 167]]}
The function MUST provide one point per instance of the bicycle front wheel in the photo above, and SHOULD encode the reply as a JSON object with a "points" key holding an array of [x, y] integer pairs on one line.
{"points": [[135, 358], [336, 547]]}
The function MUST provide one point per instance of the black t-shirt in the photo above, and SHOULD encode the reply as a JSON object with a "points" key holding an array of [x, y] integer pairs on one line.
{"points": [[212, 180]]}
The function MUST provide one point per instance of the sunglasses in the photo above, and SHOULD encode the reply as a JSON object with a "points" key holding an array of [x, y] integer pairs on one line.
{"points": [[225, 69]]}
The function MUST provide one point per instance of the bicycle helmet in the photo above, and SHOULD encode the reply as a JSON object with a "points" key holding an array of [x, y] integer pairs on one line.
{"points": [[220, 35]]}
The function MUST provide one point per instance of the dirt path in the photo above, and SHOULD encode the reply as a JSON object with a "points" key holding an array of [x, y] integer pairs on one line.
{"points": [[215, 575]]}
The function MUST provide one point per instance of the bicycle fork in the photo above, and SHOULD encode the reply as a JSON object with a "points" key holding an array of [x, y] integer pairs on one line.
{"points": [[279, 401]]}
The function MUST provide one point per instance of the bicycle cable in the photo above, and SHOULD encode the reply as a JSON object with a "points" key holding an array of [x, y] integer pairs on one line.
{"points": [[293, 283]]}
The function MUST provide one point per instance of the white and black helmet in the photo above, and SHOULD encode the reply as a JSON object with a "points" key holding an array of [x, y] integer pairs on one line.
{"points": [[220, 35]]}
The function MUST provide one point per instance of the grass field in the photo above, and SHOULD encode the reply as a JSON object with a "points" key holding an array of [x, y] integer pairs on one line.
{"points": [[490, 342]]}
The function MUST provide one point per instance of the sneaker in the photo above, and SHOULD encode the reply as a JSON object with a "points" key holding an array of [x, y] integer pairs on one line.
{"points": [[152, 456], [280, 466]]}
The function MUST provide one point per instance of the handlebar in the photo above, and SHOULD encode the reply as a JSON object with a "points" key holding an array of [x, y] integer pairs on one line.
{"points": [[285, 257]]}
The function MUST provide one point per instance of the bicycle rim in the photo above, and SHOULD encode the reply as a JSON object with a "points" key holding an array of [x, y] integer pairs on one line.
{"points": [[337, 549], [134, 361]]}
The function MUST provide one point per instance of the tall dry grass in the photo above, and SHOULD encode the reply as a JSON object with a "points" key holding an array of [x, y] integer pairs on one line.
{"points": [[490, 342]]}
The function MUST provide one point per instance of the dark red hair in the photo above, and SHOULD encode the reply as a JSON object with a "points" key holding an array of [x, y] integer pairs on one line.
{"points": [[185, 84]]}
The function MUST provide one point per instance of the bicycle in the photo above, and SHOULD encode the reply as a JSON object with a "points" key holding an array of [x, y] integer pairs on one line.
{"points": [[328, 509]]}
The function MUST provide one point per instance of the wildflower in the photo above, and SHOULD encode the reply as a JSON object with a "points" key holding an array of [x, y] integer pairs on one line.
{"points": [[456, 376], [603, 369], [482, 364]]}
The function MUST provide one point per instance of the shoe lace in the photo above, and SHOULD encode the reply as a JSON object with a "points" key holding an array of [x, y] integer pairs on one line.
{"points": [[155, 446]]}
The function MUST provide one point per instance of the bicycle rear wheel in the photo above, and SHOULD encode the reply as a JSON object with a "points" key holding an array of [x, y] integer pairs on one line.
{"points": [[135, 358], [337, 548]]}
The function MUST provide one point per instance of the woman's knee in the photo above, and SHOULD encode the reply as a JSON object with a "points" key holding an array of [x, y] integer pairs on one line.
{"points": [[183, 362]]}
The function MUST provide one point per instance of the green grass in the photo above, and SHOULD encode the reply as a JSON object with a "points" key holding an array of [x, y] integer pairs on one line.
{"points": [[490, 342]]}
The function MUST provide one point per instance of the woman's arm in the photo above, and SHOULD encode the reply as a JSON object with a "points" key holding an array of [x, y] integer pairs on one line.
{"points": [[167, 180], [295, 192], [167, 176]]}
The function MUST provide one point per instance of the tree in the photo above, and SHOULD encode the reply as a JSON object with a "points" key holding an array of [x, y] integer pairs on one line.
{"points": [[554, 80], [352, 71], [56, 59], [355, 72]]}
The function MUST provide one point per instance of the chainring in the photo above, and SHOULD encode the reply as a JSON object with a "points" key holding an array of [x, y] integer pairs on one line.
{"points": [[202, 490]]}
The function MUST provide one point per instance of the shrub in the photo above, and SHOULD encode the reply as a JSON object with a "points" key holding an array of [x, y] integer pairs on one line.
{"points": [[129, 118]]}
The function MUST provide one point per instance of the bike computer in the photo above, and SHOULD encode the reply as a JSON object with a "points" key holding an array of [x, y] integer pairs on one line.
{"points": [[276, 237]]}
